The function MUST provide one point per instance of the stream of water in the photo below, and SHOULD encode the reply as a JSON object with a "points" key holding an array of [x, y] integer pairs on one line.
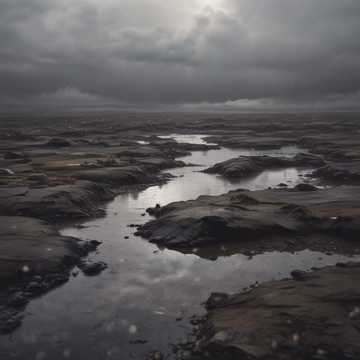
{"points": [[144, 300]]}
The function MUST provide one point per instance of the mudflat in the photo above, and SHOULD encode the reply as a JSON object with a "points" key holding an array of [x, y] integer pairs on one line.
{"points": [[51, 173]]}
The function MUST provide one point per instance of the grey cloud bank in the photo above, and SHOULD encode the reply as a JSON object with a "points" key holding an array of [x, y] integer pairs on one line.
{"points": [[213, 54]]}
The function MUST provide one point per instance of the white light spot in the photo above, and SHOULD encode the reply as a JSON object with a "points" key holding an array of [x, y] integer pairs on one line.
{"points": [[133, 329], [25, 269], [159, 313], [66, 353], [274, 344], [355, 312], [296, 338]]}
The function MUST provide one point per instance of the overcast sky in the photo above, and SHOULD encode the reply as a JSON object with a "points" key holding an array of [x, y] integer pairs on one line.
{"points": [[185, 53]]}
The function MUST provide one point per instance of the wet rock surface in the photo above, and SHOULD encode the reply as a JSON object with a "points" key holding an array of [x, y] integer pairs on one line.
{"points": [[77, 200], [92, 269], [244, 217], [339, 173], [247, 166], [315, 318], [34, 259], [31, 246]]}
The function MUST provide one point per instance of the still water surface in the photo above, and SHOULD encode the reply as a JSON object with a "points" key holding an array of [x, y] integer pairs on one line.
{"points": [[148, 294]]}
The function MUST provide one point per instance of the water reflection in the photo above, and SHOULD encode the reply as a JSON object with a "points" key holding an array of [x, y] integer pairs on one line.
{"points": [[187, 138], [191, 182]]}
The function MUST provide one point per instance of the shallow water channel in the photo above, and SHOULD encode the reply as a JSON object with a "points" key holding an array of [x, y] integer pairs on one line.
{"points": [[144, 300]]}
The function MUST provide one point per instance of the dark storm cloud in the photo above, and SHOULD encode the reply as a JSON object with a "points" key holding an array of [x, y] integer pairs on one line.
{"points": [[150, 51]]}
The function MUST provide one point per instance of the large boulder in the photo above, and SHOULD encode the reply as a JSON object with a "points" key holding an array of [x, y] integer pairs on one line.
{"points": [[31, 246], [242, 216], [58, 142], [315, 318], [78, 200], [246, 166], [117, 176], [34, 259], [339, 174]]}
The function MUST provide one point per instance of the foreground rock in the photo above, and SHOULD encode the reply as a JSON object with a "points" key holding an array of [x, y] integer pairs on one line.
{"points": [[77, 200], [316, 317], [269, 216], [246, 166], [34, 258], [31, 246]]}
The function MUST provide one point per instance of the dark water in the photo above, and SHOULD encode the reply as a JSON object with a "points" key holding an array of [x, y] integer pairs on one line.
{"points": [[146, 293]]}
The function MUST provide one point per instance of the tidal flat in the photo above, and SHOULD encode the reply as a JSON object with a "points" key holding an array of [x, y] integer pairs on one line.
{"points": [[150, 236]]}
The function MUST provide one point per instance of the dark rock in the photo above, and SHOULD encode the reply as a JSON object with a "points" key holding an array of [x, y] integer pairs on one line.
{"points": [[308, 160], [14, 155], [155, 211], [246, 166], [89, 245], [230, 217], [305, 187], [338, 173], [216, 300], [34, 287], [309, 319], [79, 200], [299, 275], [10, 324], [40, 179], [18, 300], [58, 142], [116, 176], [31, 248], [155, 355], [138, 342], [246, 217], [93, 269]]}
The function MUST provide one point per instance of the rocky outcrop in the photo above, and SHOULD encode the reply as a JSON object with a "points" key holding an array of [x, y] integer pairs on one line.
{"points": [[78, 200], [316, 316], [34, 259], [58, 142], [21, 253], [339, 173], [243, 217], [116, 176], [246, 166]]}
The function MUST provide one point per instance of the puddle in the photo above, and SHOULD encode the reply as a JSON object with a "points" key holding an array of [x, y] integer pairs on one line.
{"points": [[187, 138], [148, 294]]}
